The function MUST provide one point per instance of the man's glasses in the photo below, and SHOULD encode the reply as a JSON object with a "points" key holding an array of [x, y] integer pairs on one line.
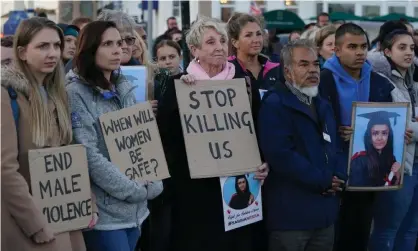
{"points": [[129, 40]]}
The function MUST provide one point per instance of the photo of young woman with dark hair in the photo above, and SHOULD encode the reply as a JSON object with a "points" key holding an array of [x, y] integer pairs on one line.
{"points": [[243, 197], [377, 165]]}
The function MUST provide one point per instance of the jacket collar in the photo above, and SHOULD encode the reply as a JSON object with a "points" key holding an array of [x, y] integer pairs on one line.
{"points": [[266, 64], [123, 86], [290, 100], [227, 72]]}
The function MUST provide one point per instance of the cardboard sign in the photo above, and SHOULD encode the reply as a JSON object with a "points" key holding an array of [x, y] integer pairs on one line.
{"points": [[218, 128], [61, 186], [241, 199], [137, 75], [134, 143]]}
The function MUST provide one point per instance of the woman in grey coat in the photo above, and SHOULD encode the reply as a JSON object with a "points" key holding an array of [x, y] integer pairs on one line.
{"points": [[396, 214], [96, 87]]}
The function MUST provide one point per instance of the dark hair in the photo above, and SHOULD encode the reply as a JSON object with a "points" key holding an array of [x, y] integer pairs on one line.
{"points": [[387, 28], [81, 20], [247, 189], [323, 14], [235, 25], [170, 43], [308, 26], [171, 18], [294, 32], [374, 167], [89, 41], [174, 31], [42, 14], [348, 28], [7, 42], [390, 39]]}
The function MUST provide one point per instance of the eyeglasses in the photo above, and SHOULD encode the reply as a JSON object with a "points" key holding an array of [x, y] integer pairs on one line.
{"points": [[129, 40]]}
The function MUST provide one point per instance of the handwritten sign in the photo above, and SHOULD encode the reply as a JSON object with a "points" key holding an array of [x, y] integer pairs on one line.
{"points": [[61, 186], [137, 75], [241, 196], [134, 143], [218, 128]]}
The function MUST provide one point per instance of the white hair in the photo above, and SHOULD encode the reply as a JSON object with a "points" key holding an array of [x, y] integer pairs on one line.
{"points": [[195, 35], [123, 21]]}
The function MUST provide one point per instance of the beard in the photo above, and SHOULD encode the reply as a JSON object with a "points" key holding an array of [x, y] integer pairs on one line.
{"points": [[311, 91]]}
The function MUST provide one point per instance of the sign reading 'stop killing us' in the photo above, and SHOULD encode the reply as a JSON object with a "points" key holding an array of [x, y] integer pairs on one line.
{"points": [[134, 143], [61, 186], [218, 128]]}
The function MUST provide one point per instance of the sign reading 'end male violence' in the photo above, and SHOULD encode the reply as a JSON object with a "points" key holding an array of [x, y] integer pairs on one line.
{"points": [[218, 128], [61, 186], [134, 143]]}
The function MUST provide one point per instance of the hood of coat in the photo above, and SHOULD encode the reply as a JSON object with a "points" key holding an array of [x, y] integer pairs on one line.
{"points": [[380, 63], [12, 77]]}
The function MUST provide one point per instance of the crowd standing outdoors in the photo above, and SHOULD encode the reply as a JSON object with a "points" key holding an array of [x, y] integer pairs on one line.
{"points": [[64, 77]]}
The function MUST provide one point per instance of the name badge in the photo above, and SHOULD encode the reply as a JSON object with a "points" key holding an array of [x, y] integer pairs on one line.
{"points": [[326, 137]]}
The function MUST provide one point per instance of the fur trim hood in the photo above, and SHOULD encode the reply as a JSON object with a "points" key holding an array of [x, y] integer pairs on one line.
{"points": [[12, 77]]}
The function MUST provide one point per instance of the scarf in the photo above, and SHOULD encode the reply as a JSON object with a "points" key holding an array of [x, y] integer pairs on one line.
{"points": [[196, 70]]}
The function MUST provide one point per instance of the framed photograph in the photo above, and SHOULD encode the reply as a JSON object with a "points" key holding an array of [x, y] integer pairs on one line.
{"points": [[137, 75], [377, 149]]}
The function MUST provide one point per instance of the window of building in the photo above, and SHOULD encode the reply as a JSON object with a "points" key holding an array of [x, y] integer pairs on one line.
{"points": [[347, 8], [227, 9], [262, 5], [176, 8], [371, 11], [416, 12], [397, 9], [319, 7]]}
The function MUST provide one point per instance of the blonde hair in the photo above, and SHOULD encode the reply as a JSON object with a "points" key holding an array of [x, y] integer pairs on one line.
{"points": [[323, 33], [195, 35], [40, 116], [139, 42]]}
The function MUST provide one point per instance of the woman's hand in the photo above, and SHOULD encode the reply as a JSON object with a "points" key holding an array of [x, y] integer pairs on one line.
{"points": [[395, 167], [345, 132], [43, 236], [94, 220], [262, 172], [408, 136], [188, 79], [154, 105]]}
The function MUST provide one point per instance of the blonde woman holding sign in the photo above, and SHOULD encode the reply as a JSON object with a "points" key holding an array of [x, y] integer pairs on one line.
{"points": [[35, 115], [197, 213]]}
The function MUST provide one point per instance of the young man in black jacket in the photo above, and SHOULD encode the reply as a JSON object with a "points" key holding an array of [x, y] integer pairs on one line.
{"points": [[347, 77]]}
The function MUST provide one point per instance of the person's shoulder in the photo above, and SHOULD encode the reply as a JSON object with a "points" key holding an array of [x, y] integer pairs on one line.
{"points": [[359, 155]]}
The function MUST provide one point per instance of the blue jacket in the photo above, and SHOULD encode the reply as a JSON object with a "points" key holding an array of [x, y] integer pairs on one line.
{"points": [[302, 162], [380, 91]]}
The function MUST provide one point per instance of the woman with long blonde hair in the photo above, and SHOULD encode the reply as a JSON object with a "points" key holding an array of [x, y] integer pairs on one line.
{"points": [[35, 83]]}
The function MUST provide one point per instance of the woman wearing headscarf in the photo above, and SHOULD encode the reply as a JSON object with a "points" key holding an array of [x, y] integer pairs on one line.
{"points": [[242, 197], [197, 211]]}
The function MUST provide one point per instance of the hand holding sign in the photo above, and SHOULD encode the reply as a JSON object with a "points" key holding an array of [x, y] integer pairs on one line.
{"points": [[43, 236]]}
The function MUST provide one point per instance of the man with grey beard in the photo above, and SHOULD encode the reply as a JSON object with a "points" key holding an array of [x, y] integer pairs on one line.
{"points": [[297, 136]]}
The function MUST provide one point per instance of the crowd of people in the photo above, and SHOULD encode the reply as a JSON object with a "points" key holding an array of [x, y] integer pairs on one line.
{"points": [[64, 77]]}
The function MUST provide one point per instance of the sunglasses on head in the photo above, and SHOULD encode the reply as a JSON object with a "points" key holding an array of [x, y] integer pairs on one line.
{"points": [[129, 40]]}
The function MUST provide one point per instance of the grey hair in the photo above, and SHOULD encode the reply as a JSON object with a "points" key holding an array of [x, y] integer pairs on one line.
{"points": [[286, 56], [195, 35], [123, 21]]}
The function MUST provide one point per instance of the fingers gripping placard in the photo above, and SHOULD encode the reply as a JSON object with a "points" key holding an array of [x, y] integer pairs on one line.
{"points": [[61, 186], [134, 143], [218, 128]]}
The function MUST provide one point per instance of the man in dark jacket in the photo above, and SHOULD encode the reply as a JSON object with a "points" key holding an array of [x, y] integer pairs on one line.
{"points": [[347, 77], [297, 137]]}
